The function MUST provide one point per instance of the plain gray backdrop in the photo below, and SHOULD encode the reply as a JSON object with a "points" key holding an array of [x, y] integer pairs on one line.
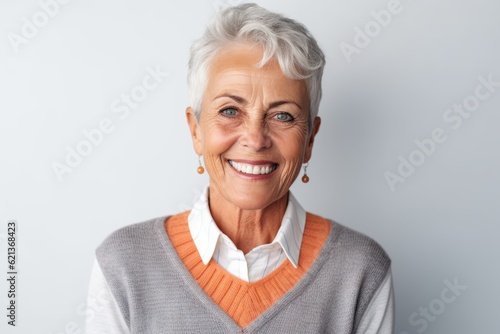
{"points": [[411, 95]]}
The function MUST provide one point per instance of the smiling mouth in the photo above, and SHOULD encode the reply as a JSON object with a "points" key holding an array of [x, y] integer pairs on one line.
{"points": [[253, 169]]}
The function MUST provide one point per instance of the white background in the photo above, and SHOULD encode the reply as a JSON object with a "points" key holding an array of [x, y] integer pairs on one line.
{"points": [[440, 224]]}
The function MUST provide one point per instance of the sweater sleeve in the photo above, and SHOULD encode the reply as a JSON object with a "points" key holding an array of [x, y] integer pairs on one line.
{"points": [[379, 316], [103, 314]]}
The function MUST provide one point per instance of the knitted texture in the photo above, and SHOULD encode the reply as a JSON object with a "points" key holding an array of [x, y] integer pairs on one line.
{"points": [[156, 293], [241, 300]]}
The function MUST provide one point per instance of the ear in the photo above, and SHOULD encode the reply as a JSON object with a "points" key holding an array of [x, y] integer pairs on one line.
{"points": [[316, 124], [195, 130]]}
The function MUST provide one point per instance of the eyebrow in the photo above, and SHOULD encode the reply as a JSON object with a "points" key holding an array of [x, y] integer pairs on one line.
{"points": [[241, 100]]}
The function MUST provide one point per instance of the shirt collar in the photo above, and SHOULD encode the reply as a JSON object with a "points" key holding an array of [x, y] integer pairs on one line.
{"points": [[206, 234], [290, 234]]}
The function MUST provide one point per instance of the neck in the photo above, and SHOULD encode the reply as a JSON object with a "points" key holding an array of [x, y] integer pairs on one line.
{"points": [[247, 229]]}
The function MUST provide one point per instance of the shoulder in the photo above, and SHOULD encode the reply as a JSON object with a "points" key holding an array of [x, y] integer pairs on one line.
{"points": [[138, 240], [359, 245], [353, 263], [131, 233], [130, 241], [353, 247]]}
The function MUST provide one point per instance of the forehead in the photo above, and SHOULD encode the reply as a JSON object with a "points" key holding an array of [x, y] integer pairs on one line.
{"points": [[236, 67]]}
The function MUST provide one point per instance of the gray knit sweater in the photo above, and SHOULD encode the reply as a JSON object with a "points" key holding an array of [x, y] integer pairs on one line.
{"points": [[157, 294]]}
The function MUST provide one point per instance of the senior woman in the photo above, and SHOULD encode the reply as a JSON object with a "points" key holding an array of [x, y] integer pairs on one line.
{"points": [[247, 258]]}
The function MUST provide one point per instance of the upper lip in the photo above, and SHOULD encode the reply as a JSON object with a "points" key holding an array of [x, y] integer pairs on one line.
{"points": [[253, 162]]}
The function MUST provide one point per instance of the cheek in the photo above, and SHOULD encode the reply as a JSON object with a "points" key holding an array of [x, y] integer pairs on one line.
{"points": [[217, 140], [292, 147], [292, 144]]}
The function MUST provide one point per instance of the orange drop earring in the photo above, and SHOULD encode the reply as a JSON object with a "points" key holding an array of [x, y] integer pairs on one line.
{"points": [[305, 178], [200, 168]]}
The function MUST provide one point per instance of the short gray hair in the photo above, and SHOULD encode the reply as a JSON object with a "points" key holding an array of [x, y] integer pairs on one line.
{"points": [[287, 40]]}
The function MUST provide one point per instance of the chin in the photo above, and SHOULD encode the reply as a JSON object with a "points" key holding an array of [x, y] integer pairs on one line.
{"points": [[252, 200]]}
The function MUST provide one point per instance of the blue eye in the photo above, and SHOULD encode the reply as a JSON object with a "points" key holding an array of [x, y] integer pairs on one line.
{"points": [[229, 112], [284, 117]]}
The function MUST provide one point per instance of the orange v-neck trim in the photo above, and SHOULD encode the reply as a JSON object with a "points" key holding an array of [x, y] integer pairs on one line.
{"points": [[241, 300]]}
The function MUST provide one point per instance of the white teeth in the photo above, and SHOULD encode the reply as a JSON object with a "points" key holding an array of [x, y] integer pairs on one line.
{"points": [[252, 169]]}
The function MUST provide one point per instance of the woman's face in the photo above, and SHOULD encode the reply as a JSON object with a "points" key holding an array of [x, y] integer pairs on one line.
{"points": [[253, 130]]}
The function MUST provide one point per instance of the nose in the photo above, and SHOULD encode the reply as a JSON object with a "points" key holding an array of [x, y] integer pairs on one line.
{"points": [[256, 136]]}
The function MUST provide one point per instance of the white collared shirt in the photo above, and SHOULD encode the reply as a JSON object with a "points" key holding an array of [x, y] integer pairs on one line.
{"points": [[260, 261]]}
